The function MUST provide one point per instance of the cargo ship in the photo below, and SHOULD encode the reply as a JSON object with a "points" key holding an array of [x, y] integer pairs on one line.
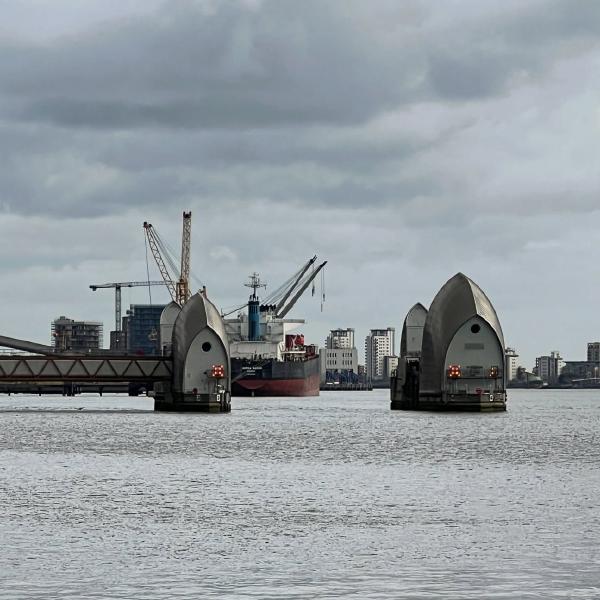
{"points": [[266, 358]]}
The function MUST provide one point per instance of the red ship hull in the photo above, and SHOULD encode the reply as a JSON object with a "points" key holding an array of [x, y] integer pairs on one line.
{"points": [[274, 378], [277, 387]]}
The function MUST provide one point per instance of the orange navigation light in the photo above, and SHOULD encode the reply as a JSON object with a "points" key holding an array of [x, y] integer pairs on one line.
{"points": [[494, 372], [454, 372], [217, 371]]}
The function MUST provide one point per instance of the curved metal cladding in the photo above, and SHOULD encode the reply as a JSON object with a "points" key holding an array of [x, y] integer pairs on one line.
{"points": [[404, 384], [200, 342], [412, 331], [459, 300], [167, 323]]}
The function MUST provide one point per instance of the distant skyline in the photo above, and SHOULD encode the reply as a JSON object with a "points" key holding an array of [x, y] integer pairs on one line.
{"points": [[401, 141]]}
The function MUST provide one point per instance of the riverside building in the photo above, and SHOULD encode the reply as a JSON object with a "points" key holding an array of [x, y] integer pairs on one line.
{"points": [[510, 364], [379, 344], [142, 325], [548, 368], [340, 338], [69, 335], [339, 358], [593, 352]]}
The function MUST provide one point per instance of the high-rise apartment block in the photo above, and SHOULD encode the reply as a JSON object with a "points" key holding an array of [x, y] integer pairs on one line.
{"points": [[143, 329], [593, 352], [548, 368], [379, 344], [510, 365], [339, 358], [340, 338]]}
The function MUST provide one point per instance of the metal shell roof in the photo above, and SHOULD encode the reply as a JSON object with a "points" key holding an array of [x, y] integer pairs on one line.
{"points": [[459, 300], [196, 314], [170, 313], [416, 315]]}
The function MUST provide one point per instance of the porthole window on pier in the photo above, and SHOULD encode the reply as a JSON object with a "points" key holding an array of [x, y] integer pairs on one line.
{"points": [[206, 346], [476, 328]]}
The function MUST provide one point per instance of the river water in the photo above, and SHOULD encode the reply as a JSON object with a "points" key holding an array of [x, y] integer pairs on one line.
{"points": [[329, 497]]}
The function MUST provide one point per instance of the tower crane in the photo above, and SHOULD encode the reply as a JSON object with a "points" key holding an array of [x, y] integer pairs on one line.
{"points": [[118, 285], [178, 287]]}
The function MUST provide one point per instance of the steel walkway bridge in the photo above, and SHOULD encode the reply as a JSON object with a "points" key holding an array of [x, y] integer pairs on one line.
{"points": [[84, 369], [44, 365]]}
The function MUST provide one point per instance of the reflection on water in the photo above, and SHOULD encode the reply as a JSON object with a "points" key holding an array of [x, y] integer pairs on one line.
{"points": [[332, 497]]}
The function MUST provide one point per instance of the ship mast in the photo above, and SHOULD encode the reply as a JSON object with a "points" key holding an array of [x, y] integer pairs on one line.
{"points": [[254, 284]]}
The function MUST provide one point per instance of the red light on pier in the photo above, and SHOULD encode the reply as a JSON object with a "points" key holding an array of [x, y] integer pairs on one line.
{"points": [[454, 372], [217, 371]]}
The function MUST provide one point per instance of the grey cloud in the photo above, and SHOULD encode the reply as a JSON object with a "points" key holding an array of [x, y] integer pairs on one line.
{"points": [[464, 75], [281, 63], [488, 57], [556, 21], [240, 66]]}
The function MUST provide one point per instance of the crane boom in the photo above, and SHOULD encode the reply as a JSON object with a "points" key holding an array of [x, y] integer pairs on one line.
{"points": [[296, 282], [118, 285], [153, 243], [99, 286], [299, 293], [183, 285]]}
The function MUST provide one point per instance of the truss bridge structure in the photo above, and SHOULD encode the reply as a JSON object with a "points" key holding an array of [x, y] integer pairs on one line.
{"points": [[81, 369]]}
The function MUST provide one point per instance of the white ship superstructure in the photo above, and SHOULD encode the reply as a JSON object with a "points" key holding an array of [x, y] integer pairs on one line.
{"points": [[267, 359], [272, 336]]}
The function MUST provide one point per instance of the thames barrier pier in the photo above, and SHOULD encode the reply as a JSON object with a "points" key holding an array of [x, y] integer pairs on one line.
{"points": [[452, 356], [200, 353]]}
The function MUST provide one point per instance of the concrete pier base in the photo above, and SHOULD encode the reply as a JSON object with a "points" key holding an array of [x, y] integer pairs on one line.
{"points": [[200, 407], [167, 401], [457, 403]]}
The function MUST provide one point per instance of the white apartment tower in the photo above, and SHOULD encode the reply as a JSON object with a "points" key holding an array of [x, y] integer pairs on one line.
{"points": [[511, 364], [339, 358], [340, 338], [549, 367], [379, 344]]}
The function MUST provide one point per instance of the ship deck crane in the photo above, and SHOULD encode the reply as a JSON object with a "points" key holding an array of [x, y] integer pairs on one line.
{"points": [[296, 282], [279, 301], [118, 286], [303, 284], [178, 287]]}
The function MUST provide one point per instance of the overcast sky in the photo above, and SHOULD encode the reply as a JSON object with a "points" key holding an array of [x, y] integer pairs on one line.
{"points": [[401, 141]]}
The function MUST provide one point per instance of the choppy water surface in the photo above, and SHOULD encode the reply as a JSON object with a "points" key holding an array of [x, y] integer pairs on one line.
{"points": [[331, 497]]}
